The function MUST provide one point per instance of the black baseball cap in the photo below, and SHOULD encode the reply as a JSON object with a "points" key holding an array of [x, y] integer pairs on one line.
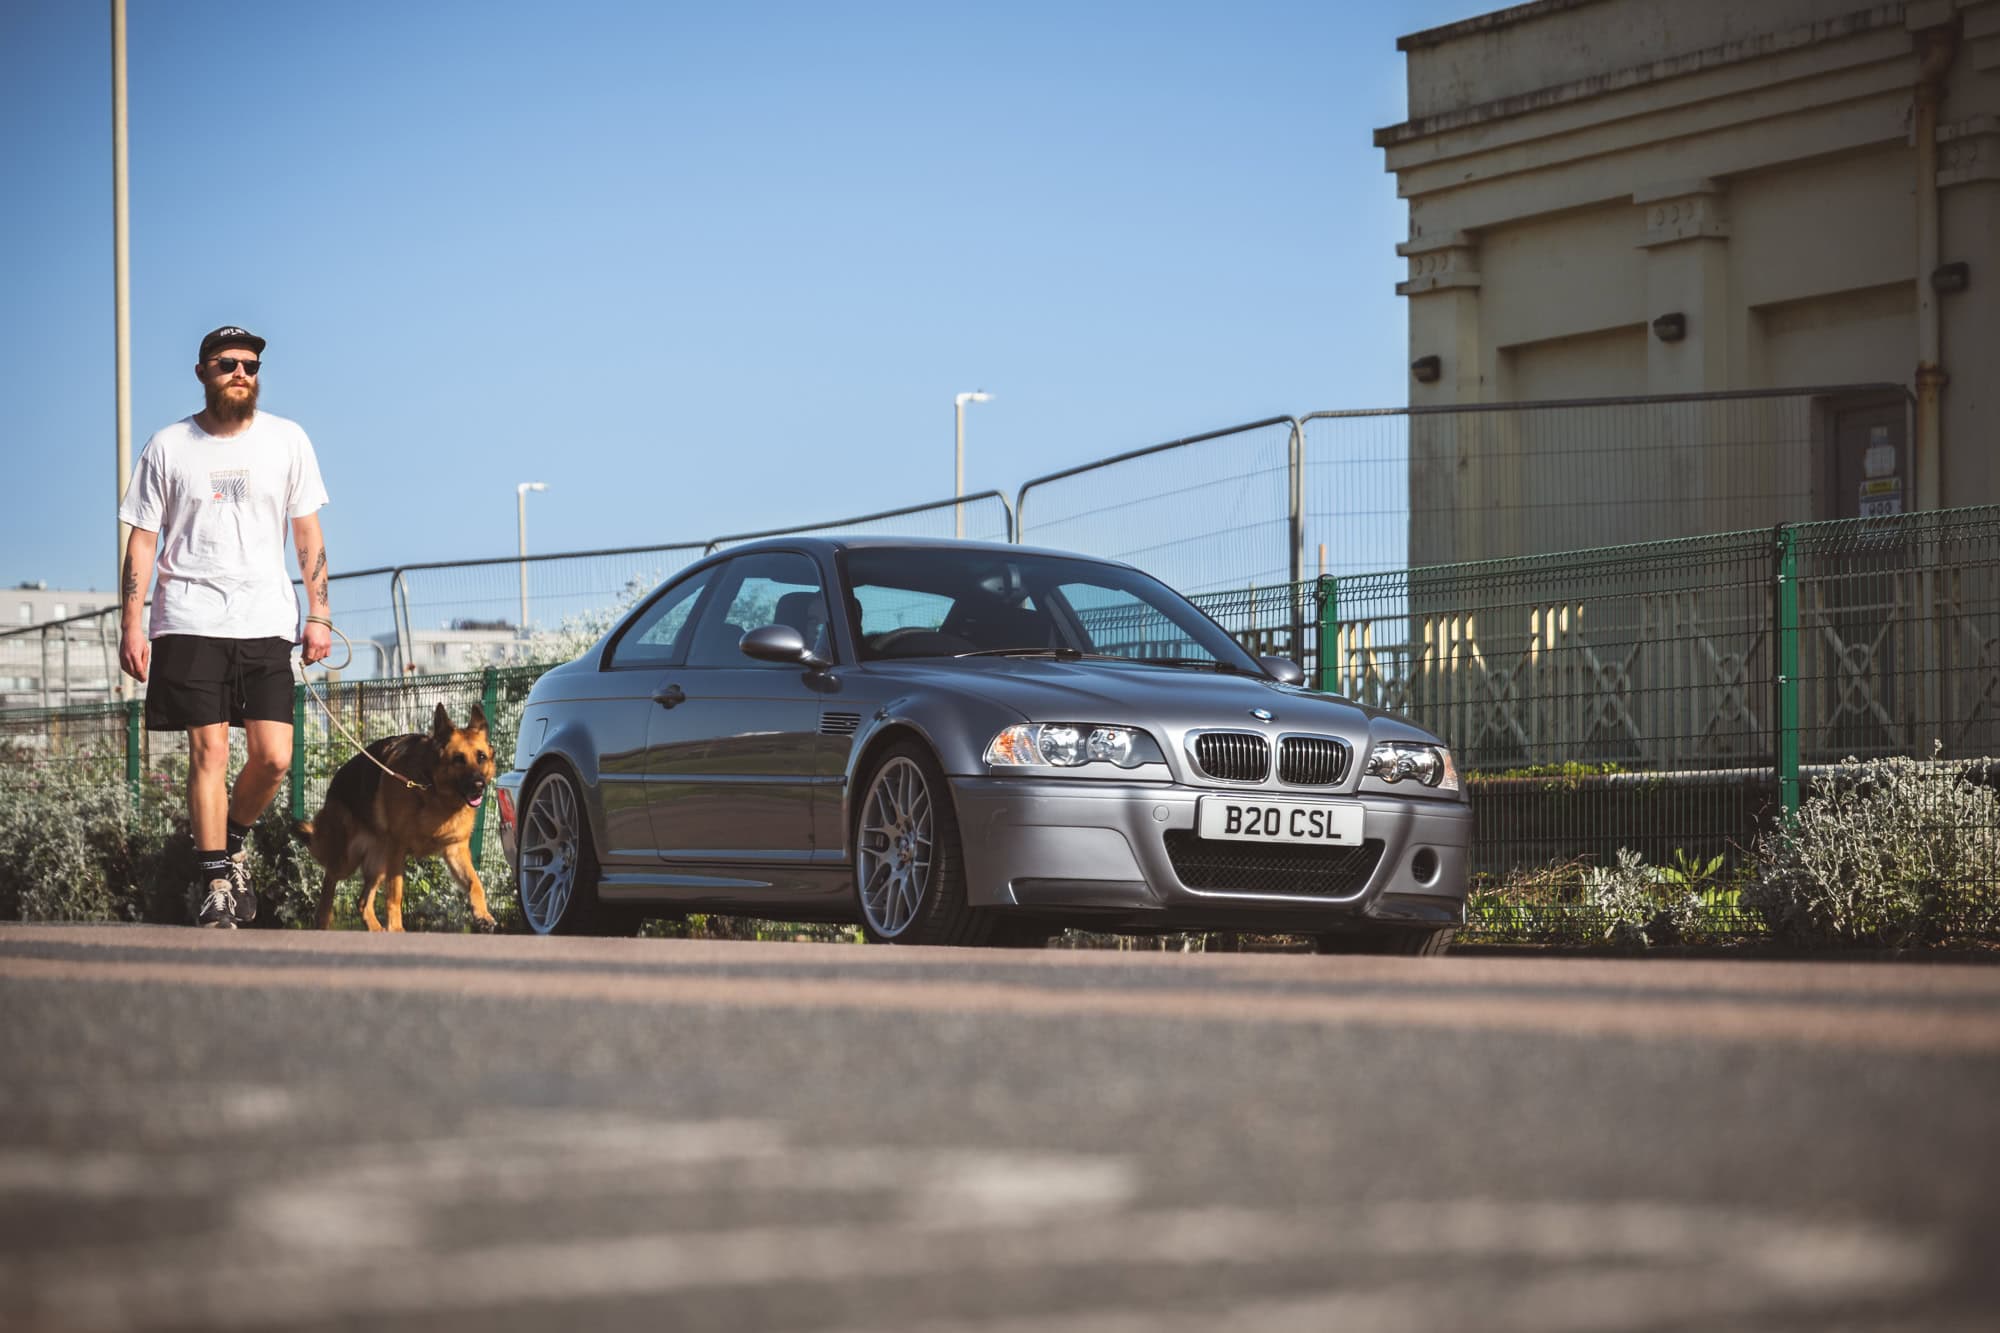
{"points": [[231, 336]]}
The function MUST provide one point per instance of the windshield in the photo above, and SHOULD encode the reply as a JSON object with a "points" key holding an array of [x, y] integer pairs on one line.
{"points": [[941, 601]]}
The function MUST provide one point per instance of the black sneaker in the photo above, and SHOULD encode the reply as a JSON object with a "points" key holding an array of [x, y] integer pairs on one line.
{"points": [[218, 906], [244, 897]]}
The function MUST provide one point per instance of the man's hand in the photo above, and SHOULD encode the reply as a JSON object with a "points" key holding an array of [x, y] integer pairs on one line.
{"points": [[135, 652], [318, 641]]}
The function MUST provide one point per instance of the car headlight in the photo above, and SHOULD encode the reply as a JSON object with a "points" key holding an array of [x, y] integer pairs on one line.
{"points": [[1426, 765], [1071, 745]]}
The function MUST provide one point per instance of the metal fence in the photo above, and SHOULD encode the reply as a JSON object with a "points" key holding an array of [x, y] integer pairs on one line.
{"points": [[1212, 511], [984, 516], [452, 616], [1271, 502], [1347, 492], [1672, 699], [1486, 481]]}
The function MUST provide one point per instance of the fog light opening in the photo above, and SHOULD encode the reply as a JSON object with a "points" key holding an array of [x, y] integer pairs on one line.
{"points": [[1424, 866]]}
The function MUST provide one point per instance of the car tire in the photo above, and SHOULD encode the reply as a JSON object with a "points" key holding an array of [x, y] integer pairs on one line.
{"points": [[556, 867], [909, 867], [1407, 941]]}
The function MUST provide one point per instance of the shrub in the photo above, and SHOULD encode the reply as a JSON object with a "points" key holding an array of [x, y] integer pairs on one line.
{"points": [[1887, 852], [1539, 904], [1642, 905], [81, 848]]}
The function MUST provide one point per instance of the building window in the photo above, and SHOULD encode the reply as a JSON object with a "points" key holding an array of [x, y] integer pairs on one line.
{"points": [[27, 613], [59, 612]]}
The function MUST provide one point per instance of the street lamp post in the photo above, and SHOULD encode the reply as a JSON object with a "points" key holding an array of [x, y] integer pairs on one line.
{"points": [[958, 403], [121, 289], [521, 505]]}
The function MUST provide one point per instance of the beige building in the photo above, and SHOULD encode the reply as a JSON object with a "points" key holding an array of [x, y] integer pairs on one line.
{"points": [[1622, 197]]}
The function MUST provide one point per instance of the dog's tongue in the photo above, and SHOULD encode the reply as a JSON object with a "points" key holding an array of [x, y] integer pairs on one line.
{"points": [[475, 800]]}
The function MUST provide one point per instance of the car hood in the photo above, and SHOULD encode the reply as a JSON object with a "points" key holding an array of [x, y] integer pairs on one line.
{"points": [[1135, 694]]}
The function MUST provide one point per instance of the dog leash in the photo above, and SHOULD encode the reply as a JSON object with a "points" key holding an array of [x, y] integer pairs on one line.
{"points": [[320, 699]]}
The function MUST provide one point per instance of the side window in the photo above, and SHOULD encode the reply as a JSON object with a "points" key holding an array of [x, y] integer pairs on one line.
{"points": [[659, 637], [771, 588]]}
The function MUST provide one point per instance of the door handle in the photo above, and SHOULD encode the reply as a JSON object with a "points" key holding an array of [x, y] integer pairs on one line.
{"points": [[669, 696]]}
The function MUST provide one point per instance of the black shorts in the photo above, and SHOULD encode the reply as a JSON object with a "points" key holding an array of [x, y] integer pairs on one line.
{"points": [[196, 682]]}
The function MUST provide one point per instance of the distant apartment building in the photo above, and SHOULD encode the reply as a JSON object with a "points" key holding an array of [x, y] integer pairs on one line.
{"points": [[457, 645], [49, 658], [1621, 197]]}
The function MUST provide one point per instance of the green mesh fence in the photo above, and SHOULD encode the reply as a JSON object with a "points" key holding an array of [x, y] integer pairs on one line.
{"points": [[1597, 701], [1899, 636], [1278, 621], [84, 739], [1693, 739]]}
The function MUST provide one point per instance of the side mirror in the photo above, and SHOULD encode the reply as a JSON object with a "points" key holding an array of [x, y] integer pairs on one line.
{"points": [[1283, 669], [781, 644]]}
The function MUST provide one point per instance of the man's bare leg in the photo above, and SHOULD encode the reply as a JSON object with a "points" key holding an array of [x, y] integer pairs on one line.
{"points": [[208, 804], [270, 757], [208, 785]]}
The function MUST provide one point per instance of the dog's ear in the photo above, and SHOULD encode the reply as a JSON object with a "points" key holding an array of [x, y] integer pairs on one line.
{"points": [[441, 727], [476, 722]]}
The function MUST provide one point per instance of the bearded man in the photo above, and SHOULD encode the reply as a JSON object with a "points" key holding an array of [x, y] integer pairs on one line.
{"points": [[208, 505]]}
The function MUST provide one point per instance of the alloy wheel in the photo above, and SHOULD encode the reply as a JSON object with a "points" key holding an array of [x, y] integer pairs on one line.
{"points": [[551, 848], [896, 847]]}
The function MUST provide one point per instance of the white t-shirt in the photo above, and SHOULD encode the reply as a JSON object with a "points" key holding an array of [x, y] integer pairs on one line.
{"points": [[221, 504]]}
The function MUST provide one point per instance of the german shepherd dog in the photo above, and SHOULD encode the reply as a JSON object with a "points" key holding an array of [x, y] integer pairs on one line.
{"points": [[374, 822]]}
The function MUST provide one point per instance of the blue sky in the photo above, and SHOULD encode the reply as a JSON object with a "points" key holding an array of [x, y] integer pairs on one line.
{"points": [[700, 268]]}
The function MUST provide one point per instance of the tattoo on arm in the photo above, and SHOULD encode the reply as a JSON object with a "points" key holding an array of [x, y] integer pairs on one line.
{"points": [[318, 580], [131, 581]]}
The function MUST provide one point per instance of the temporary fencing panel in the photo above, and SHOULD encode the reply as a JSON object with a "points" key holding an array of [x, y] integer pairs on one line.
{"points": [[460, 616], [1485, 481], [982, 517], [1207, 513]]}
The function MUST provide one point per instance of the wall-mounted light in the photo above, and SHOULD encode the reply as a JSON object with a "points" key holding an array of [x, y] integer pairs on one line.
{"points": [[1671, 328], [1427, 369], [1952, 277]]}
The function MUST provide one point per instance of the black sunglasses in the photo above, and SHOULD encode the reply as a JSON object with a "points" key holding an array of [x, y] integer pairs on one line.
{"points": [[228, 364]]}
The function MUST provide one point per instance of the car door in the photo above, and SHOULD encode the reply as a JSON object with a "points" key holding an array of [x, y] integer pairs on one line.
{"points": [[734, 764], [632, 743]]}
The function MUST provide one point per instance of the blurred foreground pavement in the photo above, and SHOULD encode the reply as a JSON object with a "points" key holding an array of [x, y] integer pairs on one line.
{"points": [[259, 1129]]}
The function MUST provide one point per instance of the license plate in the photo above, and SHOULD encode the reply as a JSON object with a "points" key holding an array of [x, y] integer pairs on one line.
{"points": [[1235, 819]]}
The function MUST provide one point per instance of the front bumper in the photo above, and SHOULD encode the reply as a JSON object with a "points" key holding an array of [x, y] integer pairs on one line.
{"points": [[1105, 850]]}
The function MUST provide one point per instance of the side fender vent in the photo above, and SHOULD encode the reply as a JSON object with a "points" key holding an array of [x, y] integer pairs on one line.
{"points": [[839, 724]]}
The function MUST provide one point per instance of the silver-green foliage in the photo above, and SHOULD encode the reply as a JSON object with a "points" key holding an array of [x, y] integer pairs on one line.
{"points": [[78, 847], [1642, 905], [1887, 852]]}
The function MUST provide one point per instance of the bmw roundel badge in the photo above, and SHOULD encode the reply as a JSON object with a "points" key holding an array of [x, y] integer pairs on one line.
{"points": [[1261, 714]]}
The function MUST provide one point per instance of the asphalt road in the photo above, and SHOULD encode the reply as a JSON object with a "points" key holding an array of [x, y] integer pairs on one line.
{"points": [[226, 1130]]}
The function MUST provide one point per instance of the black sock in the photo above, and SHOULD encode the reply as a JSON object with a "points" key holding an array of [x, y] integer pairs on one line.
{"points": [[214, 865], [237, 833]]}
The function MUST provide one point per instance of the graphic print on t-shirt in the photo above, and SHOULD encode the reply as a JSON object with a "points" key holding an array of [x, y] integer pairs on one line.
{"points": [[231, 486]]}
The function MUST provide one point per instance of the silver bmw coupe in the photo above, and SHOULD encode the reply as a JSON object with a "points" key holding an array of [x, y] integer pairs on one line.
{"points": [[959, 743]]}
